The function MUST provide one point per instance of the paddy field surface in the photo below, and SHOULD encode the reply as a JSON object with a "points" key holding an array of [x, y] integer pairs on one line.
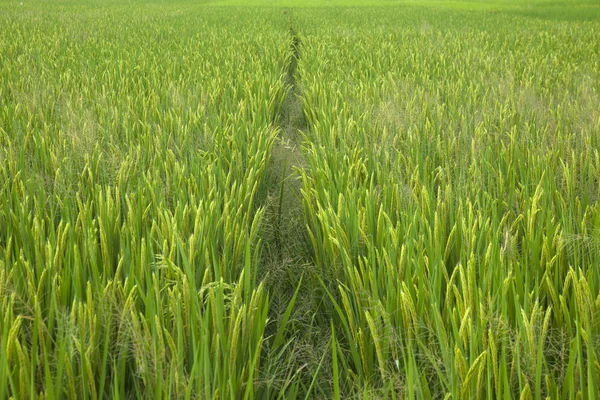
{"points": [[321, 199]]}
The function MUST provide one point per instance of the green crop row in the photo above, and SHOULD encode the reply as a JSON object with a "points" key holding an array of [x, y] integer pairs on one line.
{"points": [[452, 201], [133, 148]]}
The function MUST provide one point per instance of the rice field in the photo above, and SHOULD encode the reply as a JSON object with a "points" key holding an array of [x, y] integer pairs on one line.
{"points": [[334, 199]]}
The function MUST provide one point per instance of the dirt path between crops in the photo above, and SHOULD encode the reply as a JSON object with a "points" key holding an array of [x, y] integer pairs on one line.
{"points": [[286, 239]]}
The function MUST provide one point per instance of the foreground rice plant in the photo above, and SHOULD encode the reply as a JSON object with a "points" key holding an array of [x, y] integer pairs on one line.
{"points": [[452, 202], [128, 213]]}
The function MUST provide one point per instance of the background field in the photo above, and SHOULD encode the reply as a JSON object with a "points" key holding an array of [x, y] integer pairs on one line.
{"points": [[320, 199]]}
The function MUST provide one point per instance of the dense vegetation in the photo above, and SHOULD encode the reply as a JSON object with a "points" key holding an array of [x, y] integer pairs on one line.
{"points": [[216, 201]]}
